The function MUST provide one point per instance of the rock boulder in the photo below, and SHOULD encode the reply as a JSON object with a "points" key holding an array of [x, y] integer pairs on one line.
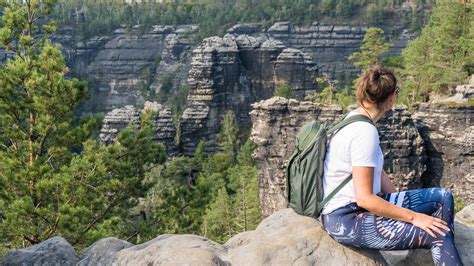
{"points": [[284, 238]]}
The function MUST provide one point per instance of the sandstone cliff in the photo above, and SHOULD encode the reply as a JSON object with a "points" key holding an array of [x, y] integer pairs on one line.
{"points": [[448, 132], [125, 65], [230, 73]]}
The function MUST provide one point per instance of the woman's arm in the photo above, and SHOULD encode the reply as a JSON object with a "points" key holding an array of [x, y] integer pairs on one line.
{"points": [[362, 177], [387, 186]]}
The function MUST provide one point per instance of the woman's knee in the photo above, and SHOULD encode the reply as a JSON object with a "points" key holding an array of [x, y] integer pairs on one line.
{"points": [[447, 196], [443, 195]]}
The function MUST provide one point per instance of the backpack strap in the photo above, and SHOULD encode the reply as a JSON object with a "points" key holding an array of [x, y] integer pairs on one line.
{"points": [[329, 197], [344, 122], [352, 119]]}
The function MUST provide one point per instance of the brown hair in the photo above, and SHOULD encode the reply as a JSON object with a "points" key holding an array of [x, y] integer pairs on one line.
{"points": [[375, 85]]}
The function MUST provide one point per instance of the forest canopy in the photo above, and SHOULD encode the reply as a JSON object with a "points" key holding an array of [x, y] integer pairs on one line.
{"points": [[95, 17]]}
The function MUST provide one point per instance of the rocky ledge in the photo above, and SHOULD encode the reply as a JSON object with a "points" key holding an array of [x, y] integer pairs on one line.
{"points": [[284, 238]]}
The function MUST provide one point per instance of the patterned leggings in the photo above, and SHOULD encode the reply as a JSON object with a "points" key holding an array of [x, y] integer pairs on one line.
{"points": [[355, 226]]}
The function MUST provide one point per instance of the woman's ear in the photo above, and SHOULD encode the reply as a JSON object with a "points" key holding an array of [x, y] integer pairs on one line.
{"points": [[390, 101]]}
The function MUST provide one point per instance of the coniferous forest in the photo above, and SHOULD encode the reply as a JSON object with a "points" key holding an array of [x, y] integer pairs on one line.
{"points": [[93, 17], [57, 178]]}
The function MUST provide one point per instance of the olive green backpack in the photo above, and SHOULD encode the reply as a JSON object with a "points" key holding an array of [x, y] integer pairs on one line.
{"points": [[305, 167]]}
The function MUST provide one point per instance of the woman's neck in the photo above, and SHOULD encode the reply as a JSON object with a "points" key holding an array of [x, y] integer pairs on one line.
{"points": [[371, 111]]}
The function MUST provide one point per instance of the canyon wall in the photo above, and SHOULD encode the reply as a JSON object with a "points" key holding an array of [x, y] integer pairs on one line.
{"points": [[128, 66]]}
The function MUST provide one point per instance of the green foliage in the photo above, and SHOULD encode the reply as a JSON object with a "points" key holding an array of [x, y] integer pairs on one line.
{"points": [[212, 195], [393, 62], [345, 97], [331, 94], [377, 12], [59, 180], [371, 49], [284, 90], [241, 211], [165, 89], [246, 200], [228, 136], [95, 17], [177, 103], [219, 216], [439, 59], [458, 203], [328, 91], [146, 80]]}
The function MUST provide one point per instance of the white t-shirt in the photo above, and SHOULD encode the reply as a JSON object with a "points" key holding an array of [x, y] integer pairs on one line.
{"points": [[356, 144]]}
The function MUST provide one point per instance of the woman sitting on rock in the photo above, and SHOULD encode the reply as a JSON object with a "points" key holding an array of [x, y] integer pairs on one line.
{"points": [[368, 212]]}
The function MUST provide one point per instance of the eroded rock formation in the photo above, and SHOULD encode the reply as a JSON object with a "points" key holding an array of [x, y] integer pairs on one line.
{"points": [[162, 119], [230, 73], [448, 131], [127, 66]]}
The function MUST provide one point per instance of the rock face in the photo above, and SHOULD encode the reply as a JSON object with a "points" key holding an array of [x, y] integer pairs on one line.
{"points": [[462, 95], [54, 251], [223, 73], [448, 131], [248, 65], [125, 67], [117, 120], [332, 44], [162, 119], [284, 238], [231, 72], [128, 64], [276, 122], [103, 251]]}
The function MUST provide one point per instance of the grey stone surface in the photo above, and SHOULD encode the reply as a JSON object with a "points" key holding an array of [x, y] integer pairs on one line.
{"points": [[448, 134], [283, 238], [122, 65], [102, 252], [286, 238], [54, 251], [466, 216], [117, 120], [174, 249], [245, 28], [462, 95]]}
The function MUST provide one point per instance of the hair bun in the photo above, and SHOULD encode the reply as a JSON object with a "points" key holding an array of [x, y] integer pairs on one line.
{"points": [[376, 75]]}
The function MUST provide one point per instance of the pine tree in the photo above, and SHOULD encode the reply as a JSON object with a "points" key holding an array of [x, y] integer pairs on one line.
{"points": [[219, 218], [228, 136], [284, 90], [373, 46], [247, 204], [55, 179], [439, 59]]}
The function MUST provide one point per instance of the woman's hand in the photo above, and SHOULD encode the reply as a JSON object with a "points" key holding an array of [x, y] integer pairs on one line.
{"points": [[429, 224]]}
